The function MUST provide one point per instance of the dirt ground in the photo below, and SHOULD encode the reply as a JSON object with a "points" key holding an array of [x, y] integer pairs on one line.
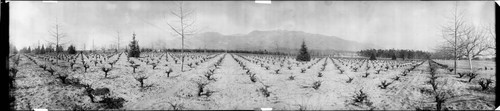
{"points": [[232, 87]]}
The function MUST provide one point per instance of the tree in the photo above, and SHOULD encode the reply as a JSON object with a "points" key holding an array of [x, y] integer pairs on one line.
{"points": [[57, 35], [453, 32], [491, 36], [185, 27], [475, 44], [42, 50], [303, 54], [373, 56], [71, 49], [463, 40], [134, 48], [393, 55]]}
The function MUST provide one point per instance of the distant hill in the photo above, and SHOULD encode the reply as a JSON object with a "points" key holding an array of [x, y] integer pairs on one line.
{"points": [[271, 41]]}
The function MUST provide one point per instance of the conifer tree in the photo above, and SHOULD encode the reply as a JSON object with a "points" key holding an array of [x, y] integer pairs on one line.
{"points": [[71, 49], [303, 54], [42, 50], [134, 48]]}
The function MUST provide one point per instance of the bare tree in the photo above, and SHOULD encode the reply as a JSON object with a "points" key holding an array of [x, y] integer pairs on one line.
{"points": [[453, 33], [184, 27], [463, 40], [491, 35], [57, 36], [475, 43]]}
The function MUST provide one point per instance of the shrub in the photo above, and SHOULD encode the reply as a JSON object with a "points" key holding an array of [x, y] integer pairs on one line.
{"points": [[384, 84], [485, 83], [404, 73], [264, 90], [88, 91], [168, 72], [291, 77], [86, 66], [361, 98], [141, 80], [63, 77], [366, 75], [111, 64], [209, 76], [207, 92], [112, 103], [441, 97], [154, 65], [277, 71], [201, 86], [253, 78], [100, 91], [460, 75], [349, 80], [396, 78], [471, 76], [451, 70], [44, 67], [211, 70], [105, 70], [134, 66], [316, 85]]}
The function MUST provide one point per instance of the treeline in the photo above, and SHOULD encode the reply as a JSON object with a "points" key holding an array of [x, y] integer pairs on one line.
{"points": [[49, 49], [394, 54]]}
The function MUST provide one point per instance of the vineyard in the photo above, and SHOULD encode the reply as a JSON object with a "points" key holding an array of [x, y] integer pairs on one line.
{"points": [[245, 81]]}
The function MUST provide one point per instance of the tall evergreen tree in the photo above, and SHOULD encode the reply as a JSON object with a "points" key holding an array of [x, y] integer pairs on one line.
{"points": [[134, 48], [373, 56], [42, 50], [71, 49], [303, 54]]}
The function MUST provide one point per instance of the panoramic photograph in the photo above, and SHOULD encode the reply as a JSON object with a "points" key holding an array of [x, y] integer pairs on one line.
{"points": [[248, 55]]}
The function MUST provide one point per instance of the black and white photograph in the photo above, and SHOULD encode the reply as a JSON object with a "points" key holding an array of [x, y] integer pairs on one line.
{"points": [[251, 55]]}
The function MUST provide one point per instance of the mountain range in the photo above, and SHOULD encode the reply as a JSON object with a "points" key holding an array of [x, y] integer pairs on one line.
{"points": [[271, 41]]}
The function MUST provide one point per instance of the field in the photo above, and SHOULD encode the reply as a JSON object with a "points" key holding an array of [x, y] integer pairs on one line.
{"points": [[244, 81]]}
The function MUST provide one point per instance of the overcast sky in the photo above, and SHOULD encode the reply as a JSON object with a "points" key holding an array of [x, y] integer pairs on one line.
{"points": [[389, 24]]}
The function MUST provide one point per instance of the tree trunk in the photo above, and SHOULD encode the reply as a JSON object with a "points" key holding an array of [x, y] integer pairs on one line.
{"points": [[470, 63], [182, 55]]}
